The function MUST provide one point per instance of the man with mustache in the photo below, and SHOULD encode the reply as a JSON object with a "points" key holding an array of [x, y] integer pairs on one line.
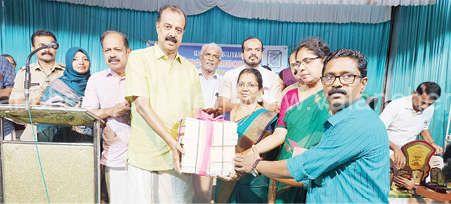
{"points": [[105, 97], [42, 72], [407, 117], [162, 87], [252, 51], [351, 162]]}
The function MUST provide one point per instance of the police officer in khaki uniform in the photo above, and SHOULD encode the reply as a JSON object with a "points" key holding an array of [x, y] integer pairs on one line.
{"points": [[42, 73]]}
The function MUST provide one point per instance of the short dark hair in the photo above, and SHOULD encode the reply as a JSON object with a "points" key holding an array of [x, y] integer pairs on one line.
{"points": [[250, 38], [316, 45], [42, 33], [355, 54], [432, 89], [106, 33], [174, 8], [257, 75]]}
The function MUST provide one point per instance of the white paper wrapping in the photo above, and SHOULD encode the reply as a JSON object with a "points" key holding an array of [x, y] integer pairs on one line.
{"points": [[214, 160]]}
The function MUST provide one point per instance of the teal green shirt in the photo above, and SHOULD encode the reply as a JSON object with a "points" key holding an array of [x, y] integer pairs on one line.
{"points": [[351, 163]]}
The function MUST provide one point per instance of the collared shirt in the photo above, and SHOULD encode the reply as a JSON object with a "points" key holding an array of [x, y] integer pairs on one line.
{"points": [[351, 163], [104, 90], [174, 92], [403, 123], [210, 89], [40, 79], [272, 85]]}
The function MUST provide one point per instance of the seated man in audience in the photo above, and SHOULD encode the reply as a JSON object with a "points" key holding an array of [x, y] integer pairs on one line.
{"points": [[252, 51], [351, 162], [105, 97], [406, 118]]}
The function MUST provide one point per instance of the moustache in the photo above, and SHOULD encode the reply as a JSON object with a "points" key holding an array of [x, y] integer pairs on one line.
{"points": [[253, 55], [111, 59], [47, 53], [171, 39], [334, 91]]}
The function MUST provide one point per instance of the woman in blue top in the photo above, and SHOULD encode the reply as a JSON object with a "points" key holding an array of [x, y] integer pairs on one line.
{"points": [[66, 91]]}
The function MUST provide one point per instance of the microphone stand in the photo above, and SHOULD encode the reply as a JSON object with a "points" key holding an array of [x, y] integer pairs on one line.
{"points": [[27, 80]]}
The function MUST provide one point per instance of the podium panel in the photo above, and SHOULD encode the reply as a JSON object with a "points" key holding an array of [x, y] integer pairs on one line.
{"points": [[69, 169]]}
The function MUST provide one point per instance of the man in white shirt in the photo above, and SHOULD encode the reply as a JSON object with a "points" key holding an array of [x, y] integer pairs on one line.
{"points": [[210, 58], [406, 118], [252, 51]]}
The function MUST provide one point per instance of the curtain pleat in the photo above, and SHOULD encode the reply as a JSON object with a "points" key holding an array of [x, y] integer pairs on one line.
{"points": [[77, 25], [422, 52]]}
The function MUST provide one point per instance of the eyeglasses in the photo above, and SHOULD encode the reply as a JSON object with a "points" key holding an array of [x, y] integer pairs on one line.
{"points": [[345, 79], [248, 84], [306, 61], [208, 55]]}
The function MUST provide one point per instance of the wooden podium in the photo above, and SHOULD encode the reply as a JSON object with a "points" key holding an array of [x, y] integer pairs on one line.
{"points": [[69, 171]]}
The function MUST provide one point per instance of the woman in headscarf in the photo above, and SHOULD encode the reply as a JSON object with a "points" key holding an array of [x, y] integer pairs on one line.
{"points": [[66, 91]]}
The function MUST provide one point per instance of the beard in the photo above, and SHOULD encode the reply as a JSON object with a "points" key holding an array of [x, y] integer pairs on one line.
{"points": [[249, 63], [252, 64]]}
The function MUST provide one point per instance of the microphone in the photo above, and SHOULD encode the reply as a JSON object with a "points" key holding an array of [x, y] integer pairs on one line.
{"points": [[27, 80]]}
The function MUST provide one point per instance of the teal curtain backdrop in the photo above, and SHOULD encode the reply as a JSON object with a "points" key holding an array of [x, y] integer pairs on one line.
{"points": [[421, 51], [421, 44], [82, 26]]}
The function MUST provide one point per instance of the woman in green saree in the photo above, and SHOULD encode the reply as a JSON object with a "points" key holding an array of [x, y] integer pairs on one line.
{"points": [[303, 112], [254, 123]]}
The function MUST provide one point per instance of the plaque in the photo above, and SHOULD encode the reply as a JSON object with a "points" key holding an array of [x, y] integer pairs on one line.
{"points": [[417, 153]]}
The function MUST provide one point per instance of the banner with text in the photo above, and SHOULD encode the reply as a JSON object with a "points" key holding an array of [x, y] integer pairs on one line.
{"points": [[274, 56]]}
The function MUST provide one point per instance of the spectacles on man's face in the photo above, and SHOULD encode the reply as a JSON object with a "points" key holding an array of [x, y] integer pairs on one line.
{"points": [[208, 55], [345, 79], [306, 61]]}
